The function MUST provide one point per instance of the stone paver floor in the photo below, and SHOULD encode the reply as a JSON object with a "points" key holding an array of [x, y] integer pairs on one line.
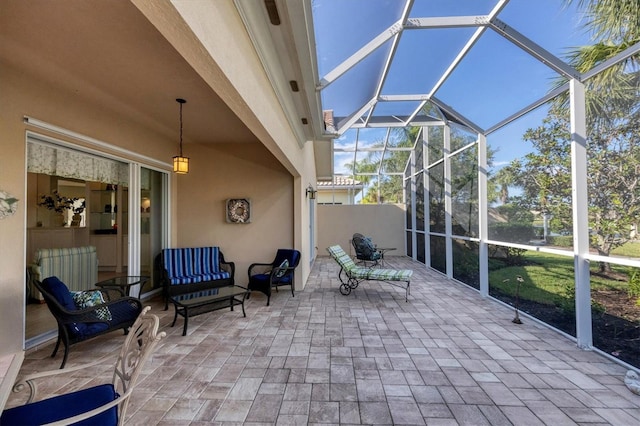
{"points": [[447, 357]]}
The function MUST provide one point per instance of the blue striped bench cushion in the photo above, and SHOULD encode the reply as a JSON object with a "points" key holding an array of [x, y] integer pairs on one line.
{"points": [[192, 265]]}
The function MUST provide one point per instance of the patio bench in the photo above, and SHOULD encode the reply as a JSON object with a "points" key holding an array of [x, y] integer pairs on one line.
{"points": [[192, 269], [354, 275]]}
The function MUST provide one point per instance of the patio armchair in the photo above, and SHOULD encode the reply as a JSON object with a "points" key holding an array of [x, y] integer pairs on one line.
{"points": [[365, 250], [104, 404], [84, 315], [281, 271]]}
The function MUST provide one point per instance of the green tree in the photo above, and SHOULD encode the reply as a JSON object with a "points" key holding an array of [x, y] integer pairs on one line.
{"points": [[613, 180], [614, 26], [371, 170], [499, 183], [612, 115], [612, 122], [464, 192], [515, 214], [545, 173]]}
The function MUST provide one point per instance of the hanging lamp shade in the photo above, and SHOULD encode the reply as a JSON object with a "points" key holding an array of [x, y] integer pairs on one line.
{"points": [[181, 165], [180, 162]]}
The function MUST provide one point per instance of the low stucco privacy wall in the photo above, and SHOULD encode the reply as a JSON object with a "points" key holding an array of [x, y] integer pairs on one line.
{"points": [[384, 223]]}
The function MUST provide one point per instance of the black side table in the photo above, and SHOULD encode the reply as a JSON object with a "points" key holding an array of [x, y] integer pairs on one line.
{"points": [[124, 283], [382, 251]]}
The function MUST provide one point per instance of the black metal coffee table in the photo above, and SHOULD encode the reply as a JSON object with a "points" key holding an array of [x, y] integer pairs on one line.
{"points": [[200, 302]]}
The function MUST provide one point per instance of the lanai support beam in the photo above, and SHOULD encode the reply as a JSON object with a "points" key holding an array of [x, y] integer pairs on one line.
{"points": [[584, 333]]}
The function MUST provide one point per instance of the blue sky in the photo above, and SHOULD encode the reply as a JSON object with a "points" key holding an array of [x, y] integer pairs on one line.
{"points": [[493, 81]]}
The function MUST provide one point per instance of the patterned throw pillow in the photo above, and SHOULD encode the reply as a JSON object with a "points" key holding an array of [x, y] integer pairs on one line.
{"points": [[87, 299], [281, 272]]}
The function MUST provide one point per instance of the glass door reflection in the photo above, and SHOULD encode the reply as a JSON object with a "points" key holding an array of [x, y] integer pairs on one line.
{"points": [[152, 225]]}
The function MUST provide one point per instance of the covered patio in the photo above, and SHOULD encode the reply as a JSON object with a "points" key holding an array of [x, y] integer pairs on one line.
{"points": [[430, 109], [447, 357]]}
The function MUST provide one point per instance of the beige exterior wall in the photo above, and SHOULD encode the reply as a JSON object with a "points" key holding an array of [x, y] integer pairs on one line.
{"points": [[24, 95], [273, 169], [338, 196], [384, 223], [237, 171], [226, 59]]}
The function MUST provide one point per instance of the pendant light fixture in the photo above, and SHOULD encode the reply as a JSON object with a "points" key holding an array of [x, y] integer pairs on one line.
{"points": [[180, 163]]}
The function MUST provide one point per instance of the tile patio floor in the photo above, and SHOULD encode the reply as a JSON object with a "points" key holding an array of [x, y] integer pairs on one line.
{"points": [[447, 357]]}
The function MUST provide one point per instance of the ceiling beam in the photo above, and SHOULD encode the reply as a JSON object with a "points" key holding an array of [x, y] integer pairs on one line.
{"points": [[534, 49], [354, 59]]}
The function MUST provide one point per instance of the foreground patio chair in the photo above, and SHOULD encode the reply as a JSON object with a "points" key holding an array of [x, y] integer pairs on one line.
{"points": [[104, 404], [264, 276], [87, 315], [365, 250]]}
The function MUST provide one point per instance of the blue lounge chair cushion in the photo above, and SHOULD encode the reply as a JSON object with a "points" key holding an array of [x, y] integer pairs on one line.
{"points": [[88, 329], [265, 279], [61, 292]]}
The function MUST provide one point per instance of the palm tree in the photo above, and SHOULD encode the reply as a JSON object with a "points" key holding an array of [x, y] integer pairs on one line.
{"points": [[614, 26]]}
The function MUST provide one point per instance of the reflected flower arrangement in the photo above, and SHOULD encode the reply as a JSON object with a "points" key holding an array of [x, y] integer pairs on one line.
{"points": [[60, 203]]}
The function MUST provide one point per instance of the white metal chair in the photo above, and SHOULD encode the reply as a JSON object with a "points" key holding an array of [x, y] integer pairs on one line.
{"points": [[104, 404]]}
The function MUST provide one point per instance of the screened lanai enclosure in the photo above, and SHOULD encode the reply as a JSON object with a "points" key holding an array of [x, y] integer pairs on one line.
{"points": [[509, 130]]}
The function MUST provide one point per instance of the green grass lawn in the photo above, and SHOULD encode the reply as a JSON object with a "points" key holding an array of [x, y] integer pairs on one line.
{"points": [[630, 249], [549, 278], [545, 278]]}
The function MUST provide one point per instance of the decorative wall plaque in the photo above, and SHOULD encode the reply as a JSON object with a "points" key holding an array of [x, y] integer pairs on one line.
{"points": [[238, 210], [8, 204]]}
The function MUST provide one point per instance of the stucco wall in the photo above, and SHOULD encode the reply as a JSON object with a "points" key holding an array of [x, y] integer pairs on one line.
{"points": [[236, 171], [25, 95], [338, 196], [217, 172], [232, 67], [274, 177], [384, 223]]}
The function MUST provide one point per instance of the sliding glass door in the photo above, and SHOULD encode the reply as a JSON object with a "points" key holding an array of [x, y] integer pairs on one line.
{"points": [[77, 198], [153, 220]]}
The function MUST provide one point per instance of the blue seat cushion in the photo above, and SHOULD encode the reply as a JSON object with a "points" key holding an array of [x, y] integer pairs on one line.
{"points": [[293, 256], [205, 260], [263, 280], [121, 313], [178, 262], [284, 280], [260, 279], [64, 406], [215, 276], [187, 279], [85, 330], [60, 291]]}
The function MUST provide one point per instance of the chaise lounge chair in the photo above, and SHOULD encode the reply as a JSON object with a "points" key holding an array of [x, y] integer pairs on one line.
{"points": [[354, 275]]}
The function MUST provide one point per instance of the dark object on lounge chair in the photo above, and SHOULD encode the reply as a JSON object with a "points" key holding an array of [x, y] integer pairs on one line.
{"points": [[93, 317], [365, 250], [104, 404], [264, 276]]}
